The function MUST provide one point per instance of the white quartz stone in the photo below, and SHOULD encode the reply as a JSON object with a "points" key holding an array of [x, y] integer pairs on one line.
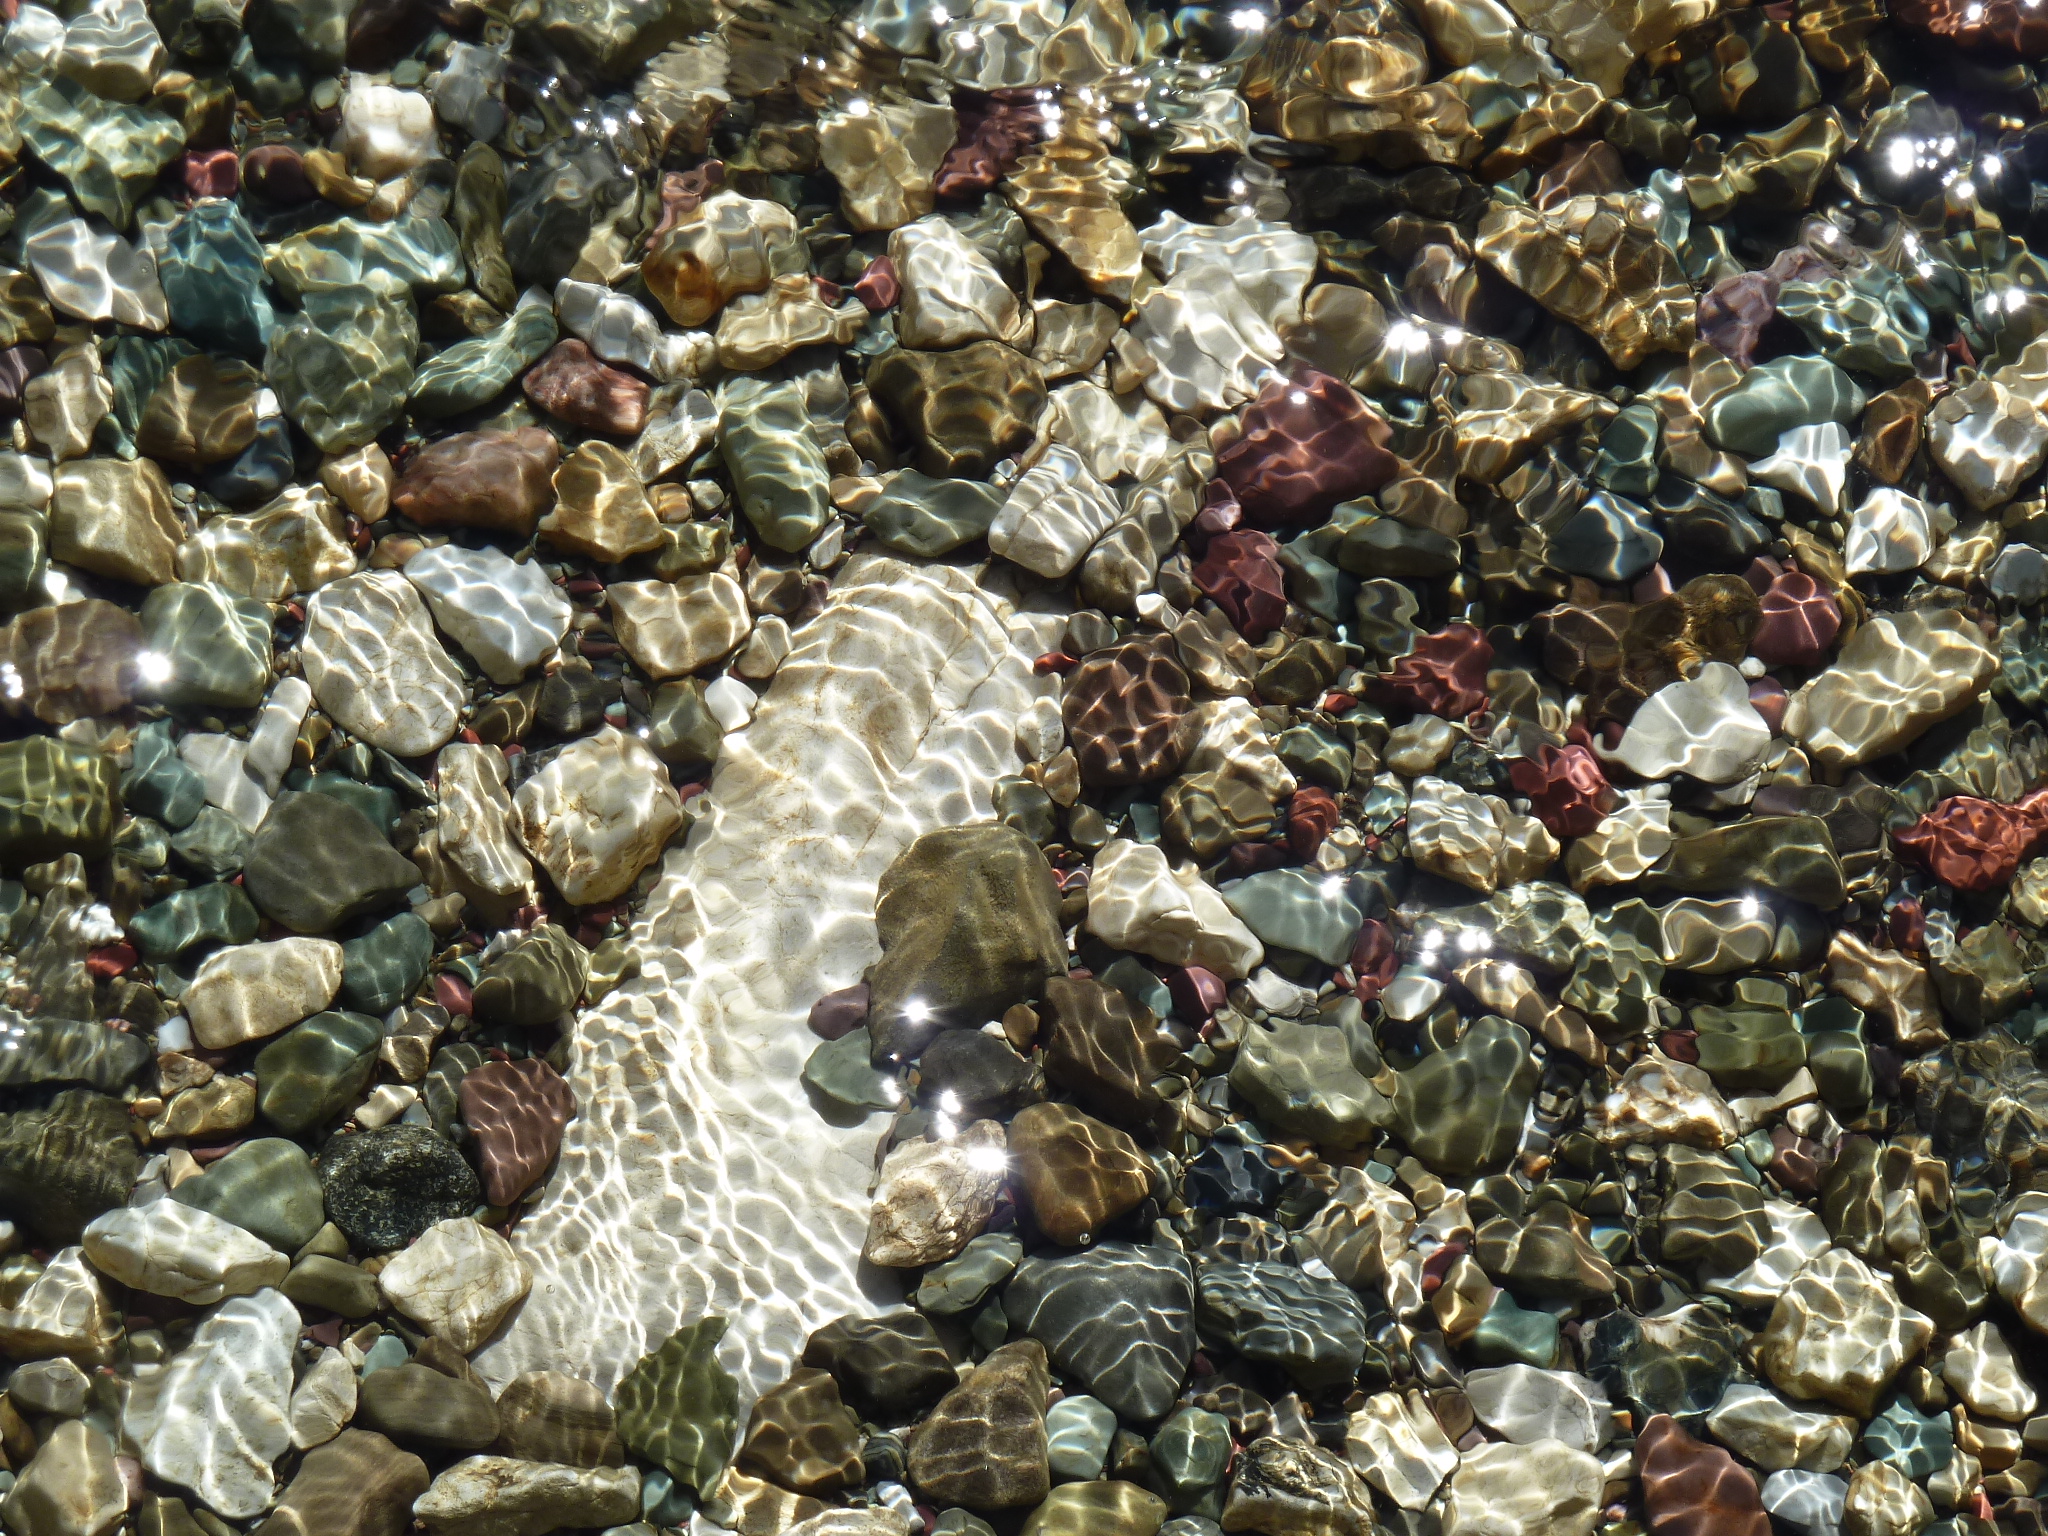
{"points": [[707, 1183], [952, 294], [1979, 1367], [324, 1400], [1891, 532], [1140, 902], [457, 1282], [1054, 512], [471, 843], [214, 1420], [241, 777], [169, 1249], [97, 276], [249, 991], [1704, 726], [506, 614], [731, 703], [1810, 462], [673, 627], [1397, 1445], [385, 132], [63, 1312], [377, 667], [1524, 1404], [599, 812], [765, 649], [1116, 435], [24, 482], [497, 1496]]}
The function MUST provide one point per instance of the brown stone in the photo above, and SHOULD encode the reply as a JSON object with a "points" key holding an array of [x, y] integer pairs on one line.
{"points": [[572, 384], [601, 507], [419, 1406], [70, 662], [515, 1110], [802, 1437], [1691, 1489], [501, 481], [887, 1367], [983, 1447], [204, 412], [1107, 1052], [1127, 713], [357, 1485], [547, 1416], [965, 410], [1075, 1173]]}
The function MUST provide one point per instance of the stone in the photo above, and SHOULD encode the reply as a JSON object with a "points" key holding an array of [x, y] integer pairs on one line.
{"points": [[472, 373], [340, 1288], [1979, 1367], [965, 409], [1310, 1080], [180, 1251], [570, 383], [984, 1445], [496, 1496], [370, 653], [472, 844], [601, 509], [1285, 1485], [357, 1484], [1106, 1051], [1310, 914], [1073, 1173], [114, 519], [772, 440], [1277, 1315], [951, 294], [1882, 1502], [1546, 1486], [96, 276], [417, 1406], [342, 367], [55, 1387], [55, 798], [1138, 901], [918, 515], [1839, 1334], [1705, 727], [383, 968], [1596, 261], [498, 481], [547, 1416], [71, 1487], [1524, 1405], [315, 1072], [1397, 1445], [1898, 675], [1768, 1432], [1127, 713], [62, 1312], [1987, 437], [385, 1187], [597, 814], [679, 1408], [296, 544], [1460, 1108], [252, 991], [887, 1367], [1078, 1434], [670, 628], [934, 1196], [71, 661], [315, 862], [214, 1420], [213, 646], [515, 1111], [52, 1050], [968, 921], [1117, 1319], [266, 1186], [726, 246], [1777, 396], [1053, 515], [802, 1437]]}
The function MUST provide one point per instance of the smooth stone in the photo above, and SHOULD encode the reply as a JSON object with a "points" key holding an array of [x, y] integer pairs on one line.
{"points": [[984, 1445], [1810, 1503], [1118, 1320], [670, 628], [416, 1406], [964, 409], [342, 366], [181, 1251], [601, 508], [62, 1165], [295, 544], [55, 1050], [1460, 1108], [212, 646], [1882, 1502], [55, 1387], [951, 293], [1278, 1315], [71, 1487], [370, 653], [472, 845], [315, 862], [97, 276], [918, 515], [332, 1285], [1073, 1173], [114, 519], [770, 444], [498, 481], [515, 1111], [1704, 727], [546, 1416], [1898, 675], [887, 1367], [315, 1072], [932, 1197], [1097, 1509], [1839, 1334], [1396, 1443], [1310, 913], [457, 1281], [1308, 1080], [495, 1496], [1139, 901], [1106, 1050], [64, 1311], [535, 980], [802, 1437], [1543, 1489], [1691, 1488], [1768, 1432], [1078, 1432], [210, 265], [597, 814], [266, 1187], [385, 966], [1523, 1404], [356, 1484], [843, 1073], [385, 1187], [1053, 515], [679, 1408], [214, 1420], [1777, 396], [471, 374]]}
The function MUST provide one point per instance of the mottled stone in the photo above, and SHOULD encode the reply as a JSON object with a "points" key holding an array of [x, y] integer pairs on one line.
{"points": [[370, 653], [1839, 1334], [933, 1196], [501, 481], [515, 1110], [984, 1444], [384, 1187], [679, 1408], [597, 814], [1285, 1485], [1118, 1319]]}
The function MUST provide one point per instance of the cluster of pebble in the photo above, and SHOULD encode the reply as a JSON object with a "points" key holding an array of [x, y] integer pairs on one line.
{"points": [[1497, 998]]}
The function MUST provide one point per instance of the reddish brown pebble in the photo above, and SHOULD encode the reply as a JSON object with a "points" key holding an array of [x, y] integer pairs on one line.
{"points": [[502, 481], [1307, 443], [516, 1111], [1197, 993], [877, 288], [837, 1014], [211, 172], [1444, 675], [1566, 788], [995, 130], [1799, 624], [1975, 845], [570, 383], [1691, 1489], [1312, 815], [276, 173], [1128, 713], [1375, 958], [1241, 575]]}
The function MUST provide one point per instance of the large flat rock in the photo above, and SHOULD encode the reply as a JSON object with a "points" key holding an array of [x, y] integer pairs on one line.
{"points": [[696, 1177]]}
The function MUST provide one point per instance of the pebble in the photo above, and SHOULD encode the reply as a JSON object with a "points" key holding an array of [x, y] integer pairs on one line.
{"points": [[547, 1416], [935, 1196], [497, 1496], [374, 664], [671, 628], [323, 1402], [266, 1187], [597, 814], [357, 1484], [1396, 1443], [505, 614], [1117, 1319], [457, 1281], [1524, 1490], [71, 1487], [181, 1251], [383, 1188], [251, 991], [984, 1445]]}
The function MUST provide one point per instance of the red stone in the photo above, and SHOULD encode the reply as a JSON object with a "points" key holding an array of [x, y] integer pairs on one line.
{"points": [[1197, 993], [1375, 958], [502, 481], [838, 1014], [277, 174], [1444, 675], [572, 384], [1733, 313], [1799, 624], [515, 1110], [1692, 1489], [1767, 696], [1128, 713], [995, 129], [1054, 661], [452, 993], [1241, 575], [1907, 923], [110, 960], [878, 287], [2014, 26], [1311, 816], [684, 192], [211, 172], [1680, 1045], [1976, 845], [1306, 444], [1566, 788]]}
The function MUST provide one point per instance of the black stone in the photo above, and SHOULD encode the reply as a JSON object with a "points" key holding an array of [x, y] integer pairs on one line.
{"points": [[385, 1187]]}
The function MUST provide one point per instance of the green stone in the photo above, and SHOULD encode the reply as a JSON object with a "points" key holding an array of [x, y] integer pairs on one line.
{"points": [[65, 1164], [1385, 546], [378, 803], [1024, 805], [1792, 855], [1841, 1070], [202, 914], [441, 1089], [52, 1050], [473, 373], [839, 1072], [267, 1187], [316, 1071], [1112, 1508], [534, 981], [413, 251], [158, 783], [926, 517], [1752, 1045], [1312, 1080], [1303, 910], [1510, 1335], [108, 152], [1982, 977], [681, 730], [385, 966], [273, 86], [1865, 320], [679, 1408], [1777, 396], [316, 862], [135, 366], [480, 223], [1626, 463], [213, 846], [55, 798], [777, 464], [211, 268], [1711, 1216], [691, 549], [964, 1281], [1301, 673], [1460, 1109], [1316, 754], [1190, 1456], [341, 367], [24, 557], [216, 646], [1314, 583], [341, 1288]]}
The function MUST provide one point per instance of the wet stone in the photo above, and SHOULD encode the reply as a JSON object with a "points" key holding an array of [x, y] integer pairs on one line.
{"points": [[515, 1111], [887, 1367], [315, 862], [267, 1187], [385, 1187], [1119, 1319], [679, 1409], [1073, 1173], [315, 1071], [983, 1447], [962, 410], [802, 1437], [500, 481], [1277, 1315], [547, 1416]]}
